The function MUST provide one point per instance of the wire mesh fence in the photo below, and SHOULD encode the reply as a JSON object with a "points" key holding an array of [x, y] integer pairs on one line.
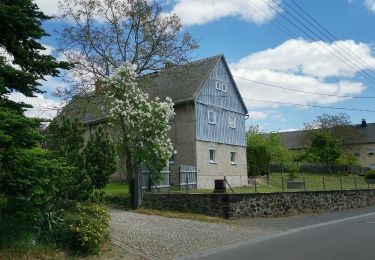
{"points": [[279, 183]]}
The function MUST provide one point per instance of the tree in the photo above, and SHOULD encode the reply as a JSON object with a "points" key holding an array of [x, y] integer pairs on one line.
{"points": [[102, 35], [262, 149], [143, 124], [100, 158], [324, 149], [65, 140], [340, 128], [28, 174], [22, 63]]}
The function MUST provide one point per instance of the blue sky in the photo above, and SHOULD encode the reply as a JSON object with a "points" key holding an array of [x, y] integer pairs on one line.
{"points": [[247, 33]]}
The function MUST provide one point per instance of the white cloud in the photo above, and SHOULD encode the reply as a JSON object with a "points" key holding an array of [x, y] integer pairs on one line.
{"points": [[197, 12], [370, 4], [296, 64], [42, 107], [257, 115], [49, 7]]}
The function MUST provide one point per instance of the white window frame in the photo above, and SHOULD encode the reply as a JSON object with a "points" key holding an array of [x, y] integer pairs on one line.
{"points": [[233, 162], [232, 122], [214, 155], [208, 115], [224, 87], [371, 166], [370, 151], [218, 85]]}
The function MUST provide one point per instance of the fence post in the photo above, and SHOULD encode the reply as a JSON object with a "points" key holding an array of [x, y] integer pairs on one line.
{"points": [[355, 183], [255, 183], [324, 184], [282, 183], [149, 183], [341, 183], [304, 184], [187, 184]]}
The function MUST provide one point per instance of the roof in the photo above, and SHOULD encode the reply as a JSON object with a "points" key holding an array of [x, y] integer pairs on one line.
{"points": [[181, 83], [294, 139]]}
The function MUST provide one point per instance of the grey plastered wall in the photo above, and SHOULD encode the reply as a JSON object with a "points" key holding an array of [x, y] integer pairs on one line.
{"points": [[182, 135]]}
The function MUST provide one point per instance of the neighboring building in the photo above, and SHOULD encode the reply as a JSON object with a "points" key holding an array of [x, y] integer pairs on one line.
{"points": [[208, 130], [363, 148]]}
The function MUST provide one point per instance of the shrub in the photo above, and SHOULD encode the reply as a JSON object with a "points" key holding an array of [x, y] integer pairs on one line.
{"points": [[370, 174], [85, 228]]}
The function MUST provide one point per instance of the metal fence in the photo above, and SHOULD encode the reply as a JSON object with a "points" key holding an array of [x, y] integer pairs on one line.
{"points": [[188, 177], [318, 168], [149, 183], [279, 183]]}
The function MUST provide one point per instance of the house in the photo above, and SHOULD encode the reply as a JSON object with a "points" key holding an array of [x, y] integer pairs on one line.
{"points": [[363, 148], [208, 130]]}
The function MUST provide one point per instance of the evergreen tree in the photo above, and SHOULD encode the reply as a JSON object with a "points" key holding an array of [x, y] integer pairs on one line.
{"points": [[65, 139], [21, 62], [28, 175], [100, 158]]}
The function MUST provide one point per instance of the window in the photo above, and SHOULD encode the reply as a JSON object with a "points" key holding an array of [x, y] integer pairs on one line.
{"points": [[232, 122], [224, 87], [218, 85], [233, 159], [211, 116], [371, 166], [212, 155], [356, 154], [370, 151]]}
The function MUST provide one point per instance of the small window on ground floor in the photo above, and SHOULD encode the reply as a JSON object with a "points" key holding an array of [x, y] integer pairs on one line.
{"points": [[371, 166], [370, 151], [233, 158], [212, 155]]}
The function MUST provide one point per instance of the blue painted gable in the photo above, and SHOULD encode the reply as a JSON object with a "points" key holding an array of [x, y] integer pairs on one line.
{"points": [[220, 94]]}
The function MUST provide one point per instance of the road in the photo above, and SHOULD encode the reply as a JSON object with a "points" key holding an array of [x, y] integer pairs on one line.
{"points": [[351, 237]]}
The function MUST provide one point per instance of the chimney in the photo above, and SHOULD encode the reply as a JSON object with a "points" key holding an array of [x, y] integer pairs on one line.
{"points": [[98, 87], [364, 123]]}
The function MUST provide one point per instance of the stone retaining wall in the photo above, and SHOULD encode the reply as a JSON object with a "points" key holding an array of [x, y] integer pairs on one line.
{"points": [[260, 204]]}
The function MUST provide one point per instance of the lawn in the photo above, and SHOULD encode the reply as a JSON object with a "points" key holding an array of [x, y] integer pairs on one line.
{"points": [[313, 182], [275, 183], [117, 189]]}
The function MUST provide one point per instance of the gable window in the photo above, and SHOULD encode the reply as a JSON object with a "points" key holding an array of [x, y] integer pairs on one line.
{"points": [[232, 121], [224, 87], [211, 116], [233, 158], [370, 151], [218, 85], [212, 155]]}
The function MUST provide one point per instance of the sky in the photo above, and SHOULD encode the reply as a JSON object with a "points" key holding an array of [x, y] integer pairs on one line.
{"points": [[277, 51]]}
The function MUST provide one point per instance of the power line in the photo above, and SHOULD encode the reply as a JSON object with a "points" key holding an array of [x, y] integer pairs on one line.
{"points": [[302, 91], [284, 29], [329, 33], [315, 106], [343, 59]]}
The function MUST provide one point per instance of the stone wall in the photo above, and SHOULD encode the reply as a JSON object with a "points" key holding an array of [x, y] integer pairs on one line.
{"points": [[260, 204]]}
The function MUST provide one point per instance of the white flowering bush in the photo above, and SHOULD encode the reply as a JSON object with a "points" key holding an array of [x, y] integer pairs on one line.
{"points": [[143, 123]]}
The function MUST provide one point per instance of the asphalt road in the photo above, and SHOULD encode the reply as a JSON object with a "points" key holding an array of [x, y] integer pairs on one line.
{"points": [[352, 237]]}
